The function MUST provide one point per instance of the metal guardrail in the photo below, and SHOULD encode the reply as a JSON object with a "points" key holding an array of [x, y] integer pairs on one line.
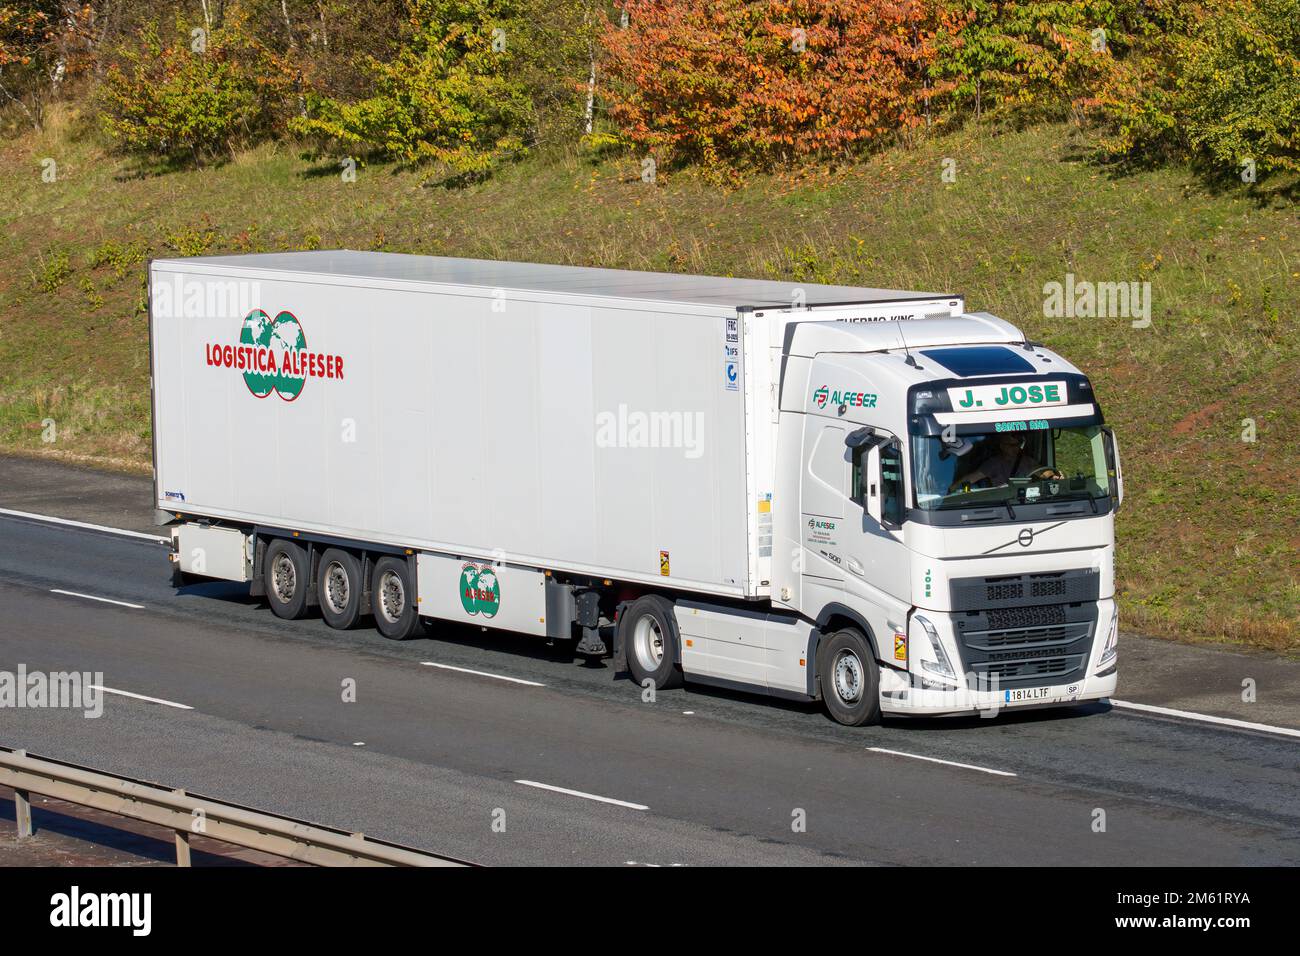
{"points": [[189, 815]]}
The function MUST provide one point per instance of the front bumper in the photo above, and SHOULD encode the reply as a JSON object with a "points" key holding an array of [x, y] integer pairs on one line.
{"points": [[899, 696], [978, 691]]}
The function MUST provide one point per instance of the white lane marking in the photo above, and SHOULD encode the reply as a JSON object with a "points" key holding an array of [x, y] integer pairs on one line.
{"points": [[91, 597], [86, 525], [466, 670], [151, 700], [1208, 718], [652, 865], [950, 763], [585, 796]]}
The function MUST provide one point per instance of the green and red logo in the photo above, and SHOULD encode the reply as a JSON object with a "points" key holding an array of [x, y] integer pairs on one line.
{"points": [[480, 591], [273, 356], [837, 397]]}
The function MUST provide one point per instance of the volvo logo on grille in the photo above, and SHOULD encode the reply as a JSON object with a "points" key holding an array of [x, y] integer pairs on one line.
{"points": [[1026, 537]]}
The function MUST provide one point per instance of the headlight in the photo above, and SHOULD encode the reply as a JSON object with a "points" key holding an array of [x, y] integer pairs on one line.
{"points": [[936, 662], [1112, 641]]}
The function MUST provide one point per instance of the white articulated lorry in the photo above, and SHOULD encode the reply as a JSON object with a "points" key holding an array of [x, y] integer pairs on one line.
{"points": [[863, 496]]}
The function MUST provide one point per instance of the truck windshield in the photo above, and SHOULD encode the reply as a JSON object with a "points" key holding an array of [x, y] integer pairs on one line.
{"points": [[1021, 467]]}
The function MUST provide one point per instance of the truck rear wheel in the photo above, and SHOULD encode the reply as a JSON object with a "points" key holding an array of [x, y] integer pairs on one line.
{"points": [[850, 678], [392, 597], [648, 632], [338, 589], [285, 572]]}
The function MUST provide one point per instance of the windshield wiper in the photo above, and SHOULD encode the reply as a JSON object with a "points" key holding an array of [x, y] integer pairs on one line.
{"points": [[1082, 496]]}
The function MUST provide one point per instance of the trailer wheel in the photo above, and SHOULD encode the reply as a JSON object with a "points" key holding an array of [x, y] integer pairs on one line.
{"points": [[285, 572], [648, 633], [850, 678], [393, 599], [338, 589]]}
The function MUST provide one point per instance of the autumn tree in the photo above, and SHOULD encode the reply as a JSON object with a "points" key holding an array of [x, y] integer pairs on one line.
{"points": [[736, 80]]}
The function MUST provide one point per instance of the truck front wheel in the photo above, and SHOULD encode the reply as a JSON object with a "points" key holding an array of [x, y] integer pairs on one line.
{"points": [[850, 678], [393, 599], [648, 632], [285, 572], [338, 589]]}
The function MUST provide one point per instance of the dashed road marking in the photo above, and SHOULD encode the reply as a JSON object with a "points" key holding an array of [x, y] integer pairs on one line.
{"points": [[151, 700], [466, 670], [949, 763], [585, 796], [91, 597]]}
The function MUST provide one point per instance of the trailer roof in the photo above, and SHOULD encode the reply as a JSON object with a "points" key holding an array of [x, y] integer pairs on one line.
{"points": [[536, 277]]}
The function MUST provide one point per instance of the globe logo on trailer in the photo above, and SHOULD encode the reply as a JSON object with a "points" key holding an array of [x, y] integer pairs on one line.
{"points": [[282, 335], [480, 591]]}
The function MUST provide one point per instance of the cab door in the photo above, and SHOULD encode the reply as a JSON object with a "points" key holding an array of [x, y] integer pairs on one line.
{"points": [[824, 496], [876, 560]]}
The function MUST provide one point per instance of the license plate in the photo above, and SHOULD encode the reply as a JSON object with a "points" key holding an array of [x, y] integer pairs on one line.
{"points": [[1028, 693]]}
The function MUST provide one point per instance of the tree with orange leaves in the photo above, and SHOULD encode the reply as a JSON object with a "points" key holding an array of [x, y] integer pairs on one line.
{"points": [[727, 80]]}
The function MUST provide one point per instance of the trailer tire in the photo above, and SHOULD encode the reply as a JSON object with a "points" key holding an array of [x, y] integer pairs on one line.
{"points": [[648, 635], [286, 573], [850, 678], [392, 598], [338, 589]]}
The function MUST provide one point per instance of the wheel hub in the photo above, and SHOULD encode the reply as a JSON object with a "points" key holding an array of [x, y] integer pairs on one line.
{"points": [[336, 588], [284, 578], [648, 643], [392, 598], [848, 677]]}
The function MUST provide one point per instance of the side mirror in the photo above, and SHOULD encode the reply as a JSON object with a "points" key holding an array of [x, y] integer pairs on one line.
{"points": [[871, 478], [1117, 471], [859, 436]]}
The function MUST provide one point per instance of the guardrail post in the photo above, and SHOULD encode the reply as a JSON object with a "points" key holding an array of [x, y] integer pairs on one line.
{"points": [[23, 813], [182, 839]]}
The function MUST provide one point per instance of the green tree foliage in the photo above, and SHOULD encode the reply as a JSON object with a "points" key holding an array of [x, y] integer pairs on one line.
{"points": [[194, 95], [1220, 82], [1240, 85], [1022, 56], [452, 94]]}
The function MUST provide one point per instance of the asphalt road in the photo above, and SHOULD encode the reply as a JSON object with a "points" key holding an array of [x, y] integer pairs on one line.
{"points": [[432, 756]]}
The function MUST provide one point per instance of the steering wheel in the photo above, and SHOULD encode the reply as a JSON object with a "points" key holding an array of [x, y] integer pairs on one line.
{"points": [[1045, 472]]}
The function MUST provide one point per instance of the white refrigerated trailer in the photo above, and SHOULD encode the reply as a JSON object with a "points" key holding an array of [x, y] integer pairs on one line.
{"points": [[864, 496]]}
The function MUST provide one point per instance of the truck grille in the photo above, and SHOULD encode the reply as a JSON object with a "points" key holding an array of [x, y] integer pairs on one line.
{"points": [[1007, 618], [1019, 591], [1045, 653]]}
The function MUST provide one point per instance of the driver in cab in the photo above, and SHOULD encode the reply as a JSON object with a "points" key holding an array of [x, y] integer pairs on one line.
{"points": [[1009, 461]]}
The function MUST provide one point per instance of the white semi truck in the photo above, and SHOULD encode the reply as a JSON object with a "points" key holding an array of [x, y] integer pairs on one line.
{"points": [[862, 496]]}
